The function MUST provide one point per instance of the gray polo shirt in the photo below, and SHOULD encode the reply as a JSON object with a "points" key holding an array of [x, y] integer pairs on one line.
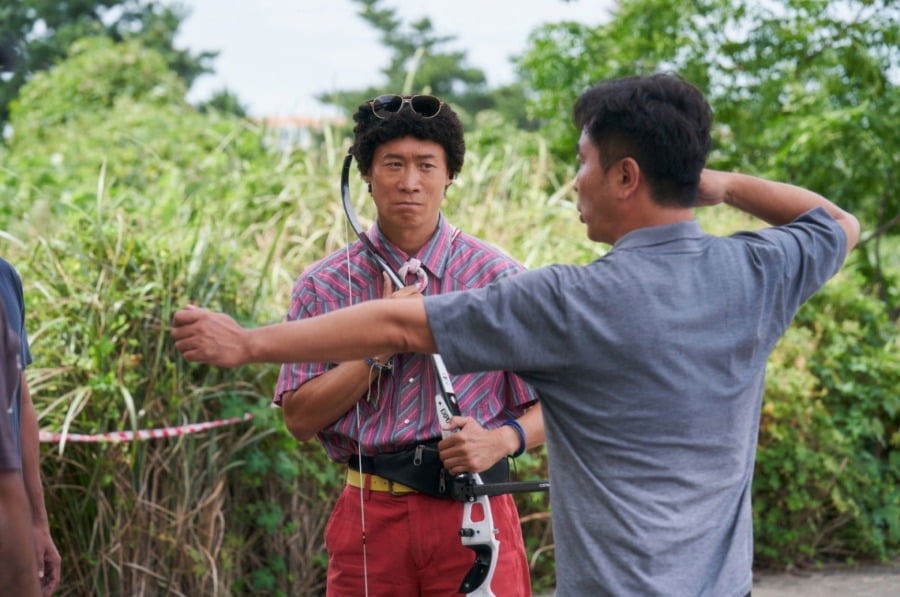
{"points": [[649, 364]]}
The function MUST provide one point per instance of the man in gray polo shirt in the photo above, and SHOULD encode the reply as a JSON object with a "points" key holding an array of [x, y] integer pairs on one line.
{"points": [[649, 362]]}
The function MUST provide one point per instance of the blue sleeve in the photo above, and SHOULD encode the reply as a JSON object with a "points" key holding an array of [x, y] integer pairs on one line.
{"points": [[9, 380], [12, 298], [813, 248]]}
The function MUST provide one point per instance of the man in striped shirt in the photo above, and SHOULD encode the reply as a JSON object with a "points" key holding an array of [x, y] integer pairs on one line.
{"points": [[379, 413]]}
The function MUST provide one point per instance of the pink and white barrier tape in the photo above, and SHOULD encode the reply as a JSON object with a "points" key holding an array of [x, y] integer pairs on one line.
{"points": [[128, 436]]}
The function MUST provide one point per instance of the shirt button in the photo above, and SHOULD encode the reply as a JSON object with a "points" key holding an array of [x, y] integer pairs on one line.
{"points": [[411, 380], [406, 421]]}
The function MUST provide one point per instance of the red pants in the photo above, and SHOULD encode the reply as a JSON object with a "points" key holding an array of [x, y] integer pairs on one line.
{"points": [[413, 547]]}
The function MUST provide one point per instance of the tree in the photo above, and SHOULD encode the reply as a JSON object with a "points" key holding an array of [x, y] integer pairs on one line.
{"points": [[226, 101], [802, 90], [36, 34], [418, 63]]}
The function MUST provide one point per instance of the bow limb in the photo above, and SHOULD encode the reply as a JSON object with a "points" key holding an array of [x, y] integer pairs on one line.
{"points": [[357, 229], [477, 531], [479, 536]]}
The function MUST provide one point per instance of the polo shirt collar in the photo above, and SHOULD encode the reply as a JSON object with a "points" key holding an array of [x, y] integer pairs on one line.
{"points": [[434, 255], [656, 235]]}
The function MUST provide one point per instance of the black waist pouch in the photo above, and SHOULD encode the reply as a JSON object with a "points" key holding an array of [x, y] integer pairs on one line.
{"points": [[421, 468]]}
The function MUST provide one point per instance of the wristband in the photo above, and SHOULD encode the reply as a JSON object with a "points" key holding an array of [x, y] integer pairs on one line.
{"points": [[376, 364], [515, 425]]}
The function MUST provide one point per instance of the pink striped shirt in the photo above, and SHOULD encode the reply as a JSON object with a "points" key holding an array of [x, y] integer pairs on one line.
{"points": [[404, 412]]}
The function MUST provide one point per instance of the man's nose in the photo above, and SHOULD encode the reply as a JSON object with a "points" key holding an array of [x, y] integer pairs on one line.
{"points": [[409, 179]]}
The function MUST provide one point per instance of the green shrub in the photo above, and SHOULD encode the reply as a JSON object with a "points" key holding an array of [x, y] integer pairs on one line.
{"points": [[827, 483]]}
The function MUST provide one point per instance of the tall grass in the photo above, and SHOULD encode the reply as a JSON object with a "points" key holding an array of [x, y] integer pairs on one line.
{"points": [[108, 250]]}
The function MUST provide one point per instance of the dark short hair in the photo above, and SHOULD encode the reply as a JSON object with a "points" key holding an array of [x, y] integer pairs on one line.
{"points": [[371, 132], [661, 121]]}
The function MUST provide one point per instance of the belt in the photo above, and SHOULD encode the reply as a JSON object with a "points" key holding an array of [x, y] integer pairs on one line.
{"points": [[376, 483]]}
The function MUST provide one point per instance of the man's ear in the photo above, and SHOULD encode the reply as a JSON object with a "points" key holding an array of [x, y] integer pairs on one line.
{"points": [[629, 174]]}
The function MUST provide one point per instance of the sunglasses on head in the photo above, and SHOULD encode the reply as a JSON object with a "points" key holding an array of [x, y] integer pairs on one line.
{"points": [[426, 106]]}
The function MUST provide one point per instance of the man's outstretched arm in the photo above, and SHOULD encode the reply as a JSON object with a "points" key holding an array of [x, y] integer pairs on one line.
{"points": [[370, 328]]}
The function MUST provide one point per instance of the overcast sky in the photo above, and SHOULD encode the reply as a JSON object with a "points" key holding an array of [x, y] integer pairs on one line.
{"points": [[277, 54]]}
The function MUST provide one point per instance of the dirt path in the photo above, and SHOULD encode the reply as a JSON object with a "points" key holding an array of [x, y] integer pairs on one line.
{"points": [[863, 581]]}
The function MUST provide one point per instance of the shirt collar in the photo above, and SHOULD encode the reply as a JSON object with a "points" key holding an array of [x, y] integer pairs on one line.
{"points": [[656, 235], [434, 255]]}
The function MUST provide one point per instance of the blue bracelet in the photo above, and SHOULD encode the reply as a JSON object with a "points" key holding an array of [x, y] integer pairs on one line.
{"points": [[515, 425]]}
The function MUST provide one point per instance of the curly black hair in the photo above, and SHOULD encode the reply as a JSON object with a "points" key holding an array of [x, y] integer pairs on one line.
{"points": [[371, 132], [662, 121]]}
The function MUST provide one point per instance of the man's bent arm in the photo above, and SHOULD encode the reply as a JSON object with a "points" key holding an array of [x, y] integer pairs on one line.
{"points": [[374, 327], [320, 401], [776, 203], [324, 399]]}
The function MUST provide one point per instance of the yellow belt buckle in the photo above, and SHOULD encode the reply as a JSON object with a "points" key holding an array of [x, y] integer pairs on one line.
{"points": [[397, 492]]}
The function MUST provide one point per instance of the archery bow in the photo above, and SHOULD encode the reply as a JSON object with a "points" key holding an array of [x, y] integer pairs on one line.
{"points": [[477, 535]]}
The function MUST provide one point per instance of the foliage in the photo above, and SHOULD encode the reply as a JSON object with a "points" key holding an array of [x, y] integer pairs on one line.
{"points": [[91, 82], [36, 34], [224, 101], [114, 190], [827, 483], [804, 91]]}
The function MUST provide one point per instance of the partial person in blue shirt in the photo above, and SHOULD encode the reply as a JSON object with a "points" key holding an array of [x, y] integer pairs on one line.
{"points": [[24, 427], [17, 564]]}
